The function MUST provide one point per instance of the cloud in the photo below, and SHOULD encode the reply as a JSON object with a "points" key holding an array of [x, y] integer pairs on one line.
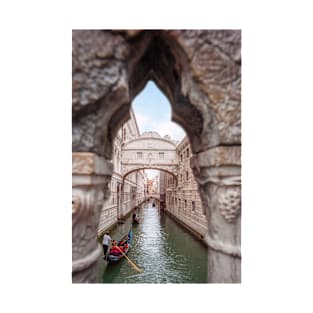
{"points": [[171, 129], [158, 124], [153, 113]]}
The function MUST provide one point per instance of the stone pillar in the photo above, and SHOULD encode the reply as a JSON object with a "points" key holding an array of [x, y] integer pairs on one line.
{"points": [[91, 175], [218, 173]]}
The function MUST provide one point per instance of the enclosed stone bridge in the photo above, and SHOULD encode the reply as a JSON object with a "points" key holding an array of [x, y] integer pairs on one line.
{"points": [[149, 151]]}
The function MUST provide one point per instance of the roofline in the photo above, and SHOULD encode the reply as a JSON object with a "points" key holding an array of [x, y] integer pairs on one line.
{"points": [[134, 117], [154, 138]]}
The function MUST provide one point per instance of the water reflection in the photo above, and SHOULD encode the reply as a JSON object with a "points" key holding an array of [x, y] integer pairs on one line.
{"points": [[166, 252]]}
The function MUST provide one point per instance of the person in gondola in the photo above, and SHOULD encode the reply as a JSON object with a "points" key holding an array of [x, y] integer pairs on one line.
{"points": [[115, 248], [135, 217], [125, 247]]}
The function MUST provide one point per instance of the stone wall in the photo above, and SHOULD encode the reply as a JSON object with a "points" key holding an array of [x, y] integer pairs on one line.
{"points": [[182, 197], [127, 193]]}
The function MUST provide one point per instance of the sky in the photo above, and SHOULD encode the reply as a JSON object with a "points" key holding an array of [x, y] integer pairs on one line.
{"points": [[153, 113]]}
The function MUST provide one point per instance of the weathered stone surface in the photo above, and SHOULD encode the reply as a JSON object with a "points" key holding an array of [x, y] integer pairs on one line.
{"points": [[91, 176], [215, 66], [207, 61], [97, 63]]}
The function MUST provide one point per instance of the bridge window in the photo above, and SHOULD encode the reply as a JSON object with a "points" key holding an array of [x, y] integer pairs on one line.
{"points": [[193, 206], [139, 155], [161, 155]]}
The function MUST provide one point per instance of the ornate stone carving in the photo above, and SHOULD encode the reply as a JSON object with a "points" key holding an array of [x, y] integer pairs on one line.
{"points": [[229, 204], [91, 175], [82, 163], [86, 163]]}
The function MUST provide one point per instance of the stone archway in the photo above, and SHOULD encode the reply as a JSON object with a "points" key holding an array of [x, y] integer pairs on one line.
{"points": [[200, 73]]}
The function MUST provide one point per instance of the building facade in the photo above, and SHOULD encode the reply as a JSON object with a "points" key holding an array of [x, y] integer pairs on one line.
{"points": [[182, 198], [124, 195]]}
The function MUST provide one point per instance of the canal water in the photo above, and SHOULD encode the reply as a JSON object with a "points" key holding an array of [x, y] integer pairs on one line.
{"points": [[165, 252]]}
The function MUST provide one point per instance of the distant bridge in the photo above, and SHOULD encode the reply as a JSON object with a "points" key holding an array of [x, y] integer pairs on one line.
{"points": [[149, 152]]}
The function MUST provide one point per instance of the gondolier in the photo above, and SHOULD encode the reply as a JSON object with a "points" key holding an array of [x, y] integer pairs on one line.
{"points": [[105, 243], [135, 217]]}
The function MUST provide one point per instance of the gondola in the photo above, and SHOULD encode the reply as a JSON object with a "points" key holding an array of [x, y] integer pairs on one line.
{"points": [[115, 257]]}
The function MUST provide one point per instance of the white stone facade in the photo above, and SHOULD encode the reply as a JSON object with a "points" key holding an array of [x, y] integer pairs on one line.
{"points": [[121, 202], [182, 199], [150, 150]]}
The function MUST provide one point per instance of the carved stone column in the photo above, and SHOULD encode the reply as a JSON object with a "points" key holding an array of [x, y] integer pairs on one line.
{"points": [[91, 175], [218, 173]]}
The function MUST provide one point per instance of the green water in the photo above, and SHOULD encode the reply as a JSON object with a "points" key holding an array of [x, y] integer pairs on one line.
{"points": [[161, 248]]}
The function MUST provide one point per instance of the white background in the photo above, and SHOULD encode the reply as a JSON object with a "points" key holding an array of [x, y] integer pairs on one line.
{"points": [[35, 121]]}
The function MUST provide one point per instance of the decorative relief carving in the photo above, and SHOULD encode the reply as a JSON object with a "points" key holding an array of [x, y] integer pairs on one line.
{"points": [[87, 163], [229, 203], [83, 202], [82, 163], [88, 195]]}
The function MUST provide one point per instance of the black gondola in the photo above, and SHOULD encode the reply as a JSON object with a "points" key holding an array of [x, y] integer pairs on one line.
{"points": [[114, 257]]}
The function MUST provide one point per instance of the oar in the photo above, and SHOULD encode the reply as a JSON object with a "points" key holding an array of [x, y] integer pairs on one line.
{"points": [[130, 261]]}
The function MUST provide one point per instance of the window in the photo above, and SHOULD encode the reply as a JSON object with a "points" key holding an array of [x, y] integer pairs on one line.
{"points": [[181, 176], [139, 155], [161, 155], [185, 204], [186, 175], [193, 206], [187, 151], [181, 157]]}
